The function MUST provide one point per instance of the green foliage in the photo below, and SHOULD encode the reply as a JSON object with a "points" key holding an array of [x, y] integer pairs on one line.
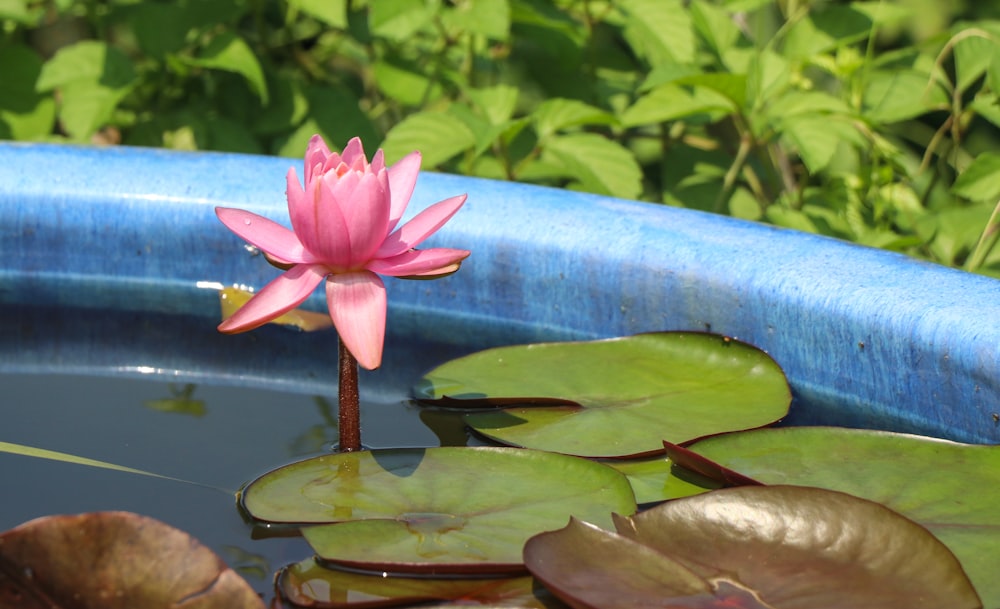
{"points": [[859, 120]]}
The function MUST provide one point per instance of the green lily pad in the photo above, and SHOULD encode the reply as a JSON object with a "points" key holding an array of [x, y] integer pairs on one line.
{"points": [[114, 560], [952, 489], [438, 510], [656, 479], [613, 398], [308, 584], [754, 547]]}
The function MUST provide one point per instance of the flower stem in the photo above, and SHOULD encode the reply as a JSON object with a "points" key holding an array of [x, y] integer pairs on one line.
{"points": [[350, 410]]}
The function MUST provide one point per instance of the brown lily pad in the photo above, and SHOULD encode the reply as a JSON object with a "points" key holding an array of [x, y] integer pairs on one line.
{"points": [[753, 547], [114, 560]]}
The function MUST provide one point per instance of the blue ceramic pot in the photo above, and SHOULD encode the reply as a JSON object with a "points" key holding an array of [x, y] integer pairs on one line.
{"points": [[866, 337]]}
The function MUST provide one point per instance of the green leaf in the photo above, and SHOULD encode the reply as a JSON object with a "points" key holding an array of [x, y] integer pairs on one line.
{"points": [[86, 106], [897, 95], [556, 114], [437, 135], [816, 138], [613, 398], [308, 584], [730, 86], [19, 11], [659, 30], [795, 102], [483, 132], [24, 113], [435, 509], [229, 52], [656, 479], [333, 112], [489, 18], [600, 165], [331, 12], [974, 54], [715, 26], [160, 28], [405, 83], [399, 19], [497, 103], [87, 61], [952, 489], [981, 180], [753, 547], [829, 28], [671, 102]]}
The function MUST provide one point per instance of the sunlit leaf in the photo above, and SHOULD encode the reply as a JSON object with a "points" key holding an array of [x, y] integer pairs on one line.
{"points": [[399, 19], [974, 53], [897, 95], [659, 30], [331, 12], [715, 26], [437, 135], [981, 180], [92, 78], [229, 52], [489, 18], [670, 102], [656, 479], [817, 137], [613, 398], [114, 560], [600, 164], [952, 489], [448, 509], [754, 548], [557, 114]]}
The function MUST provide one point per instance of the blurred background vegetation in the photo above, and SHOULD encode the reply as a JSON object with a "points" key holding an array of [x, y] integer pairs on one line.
{"points": [[877, 121]]}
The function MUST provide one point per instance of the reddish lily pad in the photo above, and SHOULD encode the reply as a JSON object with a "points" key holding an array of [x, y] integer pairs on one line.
{"points": [[114, 560], [952, 489], [613, 398], [753, 548], [308, 584], [435, 510]]}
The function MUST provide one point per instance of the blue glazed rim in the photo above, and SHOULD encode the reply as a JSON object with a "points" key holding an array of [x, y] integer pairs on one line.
{"points": [[866, 337]]}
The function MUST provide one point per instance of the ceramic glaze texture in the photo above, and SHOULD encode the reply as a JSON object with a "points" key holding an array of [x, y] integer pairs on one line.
{"points": [[866, 337]]}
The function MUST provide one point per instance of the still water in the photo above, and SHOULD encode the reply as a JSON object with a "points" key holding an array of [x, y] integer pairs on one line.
{"points": [[168, 395]]}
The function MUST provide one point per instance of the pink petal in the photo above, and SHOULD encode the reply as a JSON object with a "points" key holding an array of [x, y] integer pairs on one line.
{"points": [[300, 207], [274, 239], [357, 304], [354, 155], [366, 214], [378, 161], [331, 240], [434, 261], [280, 296], [423, 225], [402, 179], [316, 154]]}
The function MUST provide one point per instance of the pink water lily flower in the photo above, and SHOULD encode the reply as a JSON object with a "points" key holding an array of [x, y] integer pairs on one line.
{"points": [[344, 231]]}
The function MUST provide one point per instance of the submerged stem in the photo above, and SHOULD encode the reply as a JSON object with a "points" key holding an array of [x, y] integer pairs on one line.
{"points": [[350, 410]]}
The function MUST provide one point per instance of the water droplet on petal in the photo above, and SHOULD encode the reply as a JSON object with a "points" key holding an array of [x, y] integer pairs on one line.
{"points": [[247, 222]]}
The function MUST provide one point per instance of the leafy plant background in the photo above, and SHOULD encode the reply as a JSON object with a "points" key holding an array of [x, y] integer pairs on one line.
{"points": [[870, 121]]}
